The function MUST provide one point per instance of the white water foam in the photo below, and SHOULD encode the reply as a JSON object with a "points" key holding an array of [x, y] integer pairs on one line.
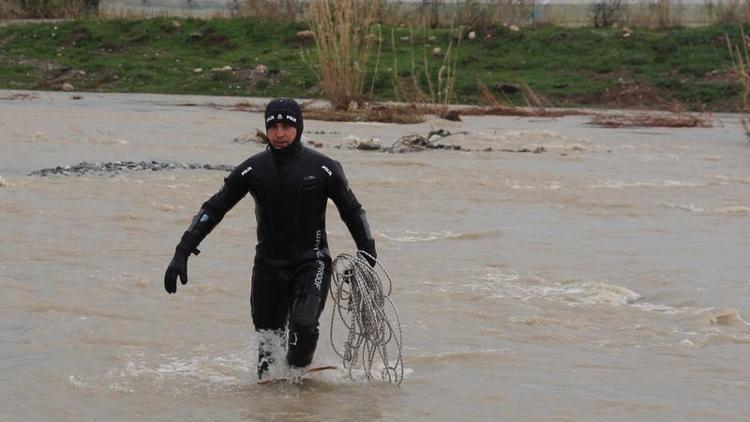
{"points": [[733, 210], [688, 207], [78, 381], [456, 355], [656, 157], [619, 184], [204, 371], [728, 210], [669, 310], [410, 236], [572, 293], [540, 138], [513, 184], [725, 179], [201, 371]]}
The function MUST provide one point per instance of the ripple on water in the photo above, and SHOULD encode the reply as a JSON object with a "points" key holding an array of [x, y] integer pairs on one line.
{"points": [[620, 184], [458, 355], [571, 292], [415, 236], [78, 311], [205, 370], [166, 207], [403, 163], [726, 179], [733, 210], [669, 327], [685, 207], [411, 236]]}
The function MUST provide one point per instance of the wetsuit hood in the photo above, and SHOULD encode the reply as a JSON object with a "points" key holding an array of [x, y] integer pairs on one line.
{"points": [[285, 110]]}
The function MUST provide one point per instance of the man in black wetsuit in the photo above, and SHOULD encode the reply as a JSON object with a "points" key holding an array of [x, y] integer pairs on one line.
{"points": [[291, 185]]}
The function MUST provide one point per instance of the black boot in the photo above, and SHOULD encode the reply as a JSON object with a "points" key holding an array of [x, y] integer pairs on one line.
{"points": [[301, 347]]}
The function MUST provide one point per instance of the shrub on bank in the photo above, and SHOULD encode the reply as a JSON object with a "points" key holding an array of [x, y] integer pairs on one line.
{"points": [[46, 9]]}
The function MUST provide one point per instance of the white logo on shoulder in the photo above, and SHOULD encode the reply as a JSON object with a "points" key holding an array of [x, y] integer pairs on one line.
{"points": [[244, 172], [330, 173]]}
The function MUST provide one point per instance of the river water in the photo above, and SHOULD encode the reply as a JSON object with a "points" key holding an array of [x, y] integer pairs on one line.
{"points": [[605, 278]]}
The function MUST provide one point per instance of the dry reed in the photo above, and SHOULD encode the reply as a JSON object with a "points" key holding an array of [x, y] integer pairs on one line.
{"points": [[10, 9], [498, 107], [654, 14], [730, 12], [345, 32], [42, 9], [275, 10], [128, 14], [741, 67], [475, 14], [440, 82], [446, 76]]}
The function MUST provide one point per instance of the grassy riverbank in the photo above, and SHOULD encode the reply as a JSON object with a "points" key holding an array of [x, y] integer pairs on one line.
{"points": [[567, 66]]}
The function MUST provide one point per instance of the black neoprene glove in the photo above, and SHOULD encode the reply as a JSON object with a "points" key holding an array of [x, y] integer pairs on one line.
{"points": [[370, 255], [178, 266]]}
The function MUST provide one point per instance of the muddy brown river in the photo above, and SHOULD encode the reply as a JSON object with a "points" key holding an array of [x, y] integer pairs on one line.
{"points": [[606, 277]]}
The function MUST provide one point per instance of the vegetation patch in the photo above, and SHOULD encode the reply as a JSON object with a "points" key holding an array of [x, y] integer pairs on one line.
{"points": [[566, 67]]}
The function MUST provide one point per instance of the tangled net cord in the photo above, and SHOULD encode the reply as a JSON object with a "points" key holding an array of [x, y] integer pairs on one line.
{"points": [[362, 304]]}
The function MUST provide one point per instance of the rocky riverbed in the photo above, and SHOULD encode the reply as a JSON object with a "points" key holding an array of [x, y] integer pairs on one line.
{"points": [[118, 167]]}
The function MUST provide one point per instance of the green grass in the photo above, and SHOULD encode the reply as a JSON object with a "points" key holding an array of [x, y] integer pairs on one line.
{"points": [[570, 67]]}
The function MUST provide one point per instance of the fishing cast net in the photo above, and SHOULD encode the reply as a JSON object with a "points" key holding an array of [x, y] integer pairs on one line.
{"points": [[365, 318]]}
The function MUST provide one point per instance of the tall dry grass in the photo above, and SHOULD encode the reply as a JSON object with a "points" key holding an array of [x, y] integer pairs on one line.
{"points": [[657, 14], [741, 67], [397, 13], [514, 12], [484, 15], [429, 88], [606, 13], [406, 15], [275, 10], [127, 14], [475, 14], [503, 106], [9, 9], [443, 89], [42, 9], [345, 34], [732, 12]]}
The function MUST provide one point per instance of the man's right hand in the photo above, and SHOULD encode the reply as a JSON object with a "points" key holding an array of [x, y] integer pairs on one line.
{"points": [[178, 266], [370, 256]]}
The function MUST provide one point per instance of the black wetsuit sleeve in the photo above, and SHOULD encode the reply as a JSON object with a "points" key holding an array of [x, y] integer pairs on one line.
{"points": [[212, 212], [351, 211]]}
